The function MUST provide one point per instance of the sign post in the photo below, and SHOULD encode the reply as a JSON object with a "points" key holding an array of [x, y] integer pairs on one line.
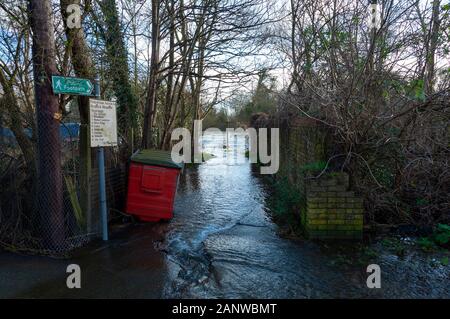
{"points": [[103, 124], [103, 127], [72, 86]]}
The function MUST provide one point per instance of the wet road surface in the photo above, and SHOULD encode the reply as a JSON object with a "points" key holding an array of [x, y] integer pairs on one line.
{"points": [[221, 244], [127, 266]]}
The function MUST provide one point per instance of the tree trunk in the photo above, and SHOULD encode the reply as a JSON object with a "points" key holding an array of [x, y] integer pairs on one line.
{"points": [[171, 88], [84, 68], [50, 201], [120, 72], [11, 106], [430, 58], [150, 107]]}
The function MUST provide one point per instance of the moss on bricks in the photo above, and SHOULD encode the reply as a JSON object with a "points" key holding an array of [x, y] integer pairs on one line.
{"points": [[332, 210]]}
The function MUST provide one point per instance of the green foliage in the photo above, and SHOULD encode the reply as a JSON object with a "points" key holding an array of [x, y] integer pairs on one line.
{"points": [[416, 89], [118, 68], [385, 169], [216, 118], [426, 243], [285, 204], [395, 245], [349, 255], [79, 216], [262, 101], [421, 202], [442, 234], [384, 176], [313, 168], [440, 237]]}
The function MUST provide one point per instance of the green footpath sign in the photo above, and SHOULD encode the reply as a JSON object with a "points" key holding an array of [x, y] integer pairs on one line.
{"points": [[72, 86]]}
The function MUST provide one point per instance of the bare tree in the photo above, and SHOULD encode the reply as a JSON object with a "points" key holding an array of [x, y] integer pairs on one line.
{"points": [[150, 106], [379, 91], [84, 68], [50, 200]]}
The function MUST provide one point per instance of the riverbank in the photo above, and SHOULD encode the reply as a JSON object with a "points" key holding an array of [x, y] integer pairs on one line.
{"points": [[285, 204]]}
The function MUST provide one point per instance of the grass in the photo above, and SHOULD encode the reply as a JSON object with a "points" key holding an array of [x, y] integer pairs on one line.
{"points": [[350, 254], [285, 203], [437, 242], [440, 238]]}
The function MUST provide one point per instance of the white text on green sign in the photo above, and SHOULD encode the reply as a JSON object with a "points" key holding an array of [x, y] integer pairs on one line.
{"points": [[72, 86]]}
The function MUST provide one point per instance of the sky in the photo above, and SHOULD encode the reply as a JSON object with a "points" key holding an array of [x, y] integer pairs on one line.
{"points": [[267, 56]]}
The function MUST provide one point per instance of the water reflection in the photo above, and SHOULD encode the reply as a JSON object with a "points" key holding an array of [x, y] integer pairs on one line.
{"points": [[222, 243]]}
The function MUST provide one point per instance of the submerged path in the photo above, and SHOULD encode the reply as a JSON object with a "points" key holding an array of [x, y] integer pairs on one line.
{"points": [[221, 244]]}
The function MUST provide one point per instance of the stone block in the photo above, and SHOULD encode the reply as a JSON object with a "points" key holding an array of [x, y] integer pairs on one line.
{"points": [[337, 222], [316, 211], [317, 222], [328, 182], [336, 189], [316, 200], [343, 179], [346, 194], [323, 205], [314, 205]]}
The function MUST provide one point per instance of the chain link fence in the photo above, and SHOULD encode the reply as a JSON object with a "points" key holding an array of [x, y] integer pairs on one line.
{"points": [[26, 228]]}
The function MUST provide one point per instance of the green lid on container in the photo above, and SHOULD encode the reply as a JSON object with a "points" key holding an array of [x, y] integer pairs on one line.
{"points": [[155, 157]]}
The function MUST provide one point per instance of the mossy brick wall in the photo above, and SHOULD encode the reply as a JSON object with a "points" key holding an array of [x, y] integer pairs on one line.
{"points": [[332, 211], [329, 209], [302, 142]]}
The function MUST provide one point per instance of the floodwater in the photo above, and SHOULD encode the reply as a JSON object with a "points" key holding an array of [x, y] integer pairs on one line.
{"points": [[223, 244]]}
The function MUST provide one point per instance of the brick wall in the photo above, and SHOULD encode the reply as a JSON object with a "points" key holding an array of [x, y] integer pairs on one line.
{"points": [[329, 208], [301, 142], [332, 211]]}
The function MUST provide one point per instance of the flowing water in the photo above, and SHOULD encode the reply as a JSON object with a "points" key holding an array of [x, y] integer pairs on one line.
{"points": [[223, 244]]}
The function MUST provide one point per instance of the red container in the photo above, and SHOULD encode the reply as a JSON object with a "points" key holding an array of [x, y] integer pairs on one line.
{"points": [[152, 185]]}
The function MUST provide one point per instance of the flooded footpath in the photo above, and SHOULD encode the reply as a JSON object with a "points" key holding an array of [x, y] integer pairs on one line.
{"points": [[222, 243]]}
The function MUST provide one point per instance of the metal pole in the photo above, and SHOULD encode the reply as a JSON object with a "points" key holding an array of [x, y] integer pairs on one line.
{"points": [[102, 182], [101, 175]]}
